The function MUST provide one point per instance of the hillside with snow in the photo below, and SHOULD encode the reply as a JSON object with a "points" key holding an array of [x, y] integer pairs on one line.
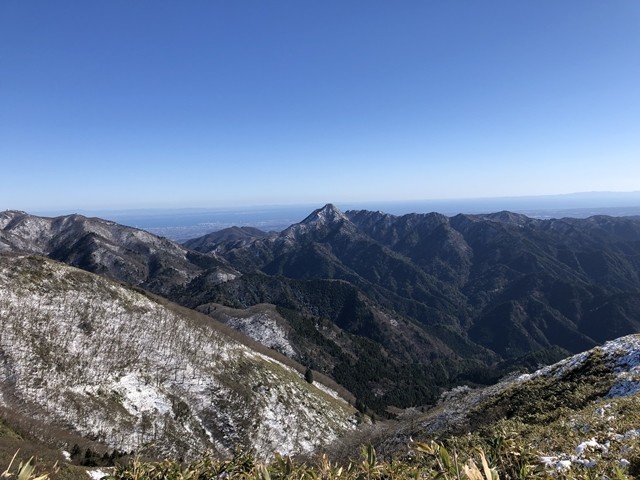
{"points": [[87, 355], [109, 249]]}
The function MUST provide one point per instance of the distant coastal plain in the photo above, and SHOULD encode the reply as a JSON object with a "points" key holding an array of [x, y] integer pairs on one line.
{"points": [[182, 224]]}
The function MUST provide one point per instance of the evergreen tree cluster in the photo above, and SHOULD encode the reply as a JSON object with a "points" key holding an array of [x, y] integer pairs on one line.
{"points": [[91, 458]]}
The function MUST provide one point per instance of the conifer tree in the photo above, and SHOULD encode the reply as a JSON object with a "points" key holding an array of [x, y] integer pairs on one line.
{"points": [[308, 375]]}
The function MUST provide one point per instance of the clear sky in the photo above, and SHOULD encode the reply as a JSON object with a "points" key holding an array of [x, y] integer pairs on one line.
{"points": [[132, 104]]}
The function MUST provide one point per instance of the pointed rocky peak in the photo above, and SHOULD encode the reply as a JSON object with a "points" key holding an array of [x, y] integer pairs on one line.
{"points": [[318, 224], [326, 215]]}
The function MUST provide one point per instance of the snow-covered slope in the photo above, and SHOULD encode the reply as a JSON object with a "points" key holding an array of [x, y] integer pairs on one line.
{"points": [[107, 248], [262, 323], [84, 353], [609, 371], [621, 358]]}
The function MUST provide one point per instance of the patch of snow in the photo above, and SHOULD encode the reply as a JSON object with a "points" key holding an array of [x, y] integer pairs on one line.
{"points": [[327, 390], [565, 461], [138, 396], [593, 444], [97, 474], [558, 370], [624, 387], [624, 353], [626, 448], [585, 462], [222, 277], [265, 330], [548, 461]]}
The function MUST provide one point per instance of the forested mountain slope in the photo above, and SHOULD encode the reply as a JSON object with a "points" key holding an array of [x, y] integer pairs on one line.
{"points": [[471, 296]]}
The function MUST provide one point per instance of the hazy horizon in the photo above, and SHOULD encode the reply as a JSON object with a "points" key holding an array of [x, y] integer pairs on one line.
{"points": [[593, 199], [185, 223]]}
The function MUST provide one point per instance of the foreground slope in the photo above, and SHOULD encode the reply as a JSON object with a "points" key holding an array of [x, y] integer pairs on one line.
{"points": [[83, 353], [577, 419], [581, 414]]}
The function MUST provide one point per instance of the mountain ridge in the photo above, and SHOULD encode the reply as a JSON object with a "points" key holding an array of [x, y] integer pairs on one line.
{"points": [[541, 283], [101, 246], [474, 295]]}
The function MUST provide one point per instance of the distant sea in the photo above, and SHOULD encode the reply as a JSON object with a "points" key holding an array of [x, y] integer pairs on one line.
{"points": [[183, 224]]}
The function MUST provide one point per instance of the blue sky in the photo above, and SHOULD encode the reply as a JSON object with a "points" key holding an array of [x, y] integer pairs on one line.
{"points": [[143, 104]]}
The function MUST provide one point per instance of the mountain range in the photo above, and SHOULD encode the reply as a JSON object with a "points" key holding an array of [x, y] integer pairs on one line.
{"points": [[450, 299], [394, 308]]}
